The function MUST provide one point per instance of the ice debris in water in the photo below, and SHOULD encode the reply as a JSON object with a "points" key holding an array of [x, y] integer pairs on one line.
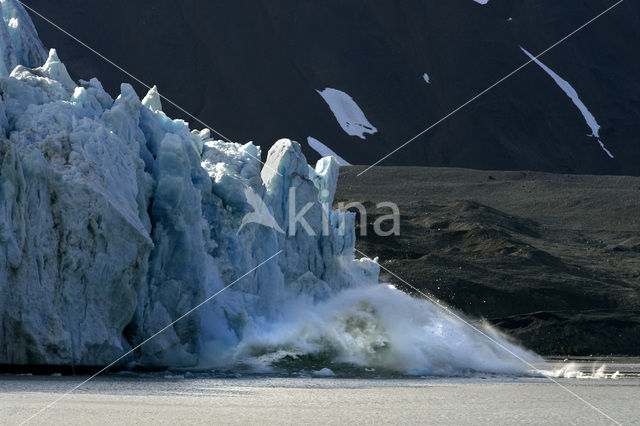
{"points": [[323, 372], [573, 371], [116, 220]]}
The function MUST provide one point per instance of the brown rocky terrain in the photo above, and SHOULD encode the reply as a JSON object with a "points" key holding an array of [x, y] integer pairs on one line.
{"points": [[552, 259]]}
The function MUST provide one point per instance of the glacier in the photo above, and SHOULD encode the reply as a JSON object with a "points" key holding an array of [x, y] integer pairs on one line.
{"points": [[116, 220]]}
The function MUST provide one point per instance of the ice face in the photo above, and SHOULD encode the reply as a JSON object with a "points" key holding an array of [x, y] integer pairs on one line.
{"points": [[113, 204], [116, 220], [75, 232], [19, 43]]}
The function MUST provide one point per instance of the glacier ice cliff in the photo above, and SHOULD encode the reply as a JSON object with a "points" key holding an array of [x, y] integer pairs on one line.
{"points": [[116, 220], [19, 42]]}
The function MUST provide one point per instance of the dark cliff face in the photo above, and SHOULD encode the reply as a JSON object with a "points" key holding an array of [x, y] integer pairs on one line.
{"points": [[251, 68]]}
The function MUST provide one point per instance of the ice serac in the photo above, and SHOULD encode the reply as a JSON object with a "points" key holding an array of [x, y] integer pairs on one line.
{"points": [[152, 100], [19, 42], [73, 241], [116, 221]]}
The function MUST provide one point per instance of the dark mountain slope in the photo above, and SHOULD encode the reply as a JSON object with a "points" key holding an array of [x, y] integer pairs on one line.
{"points": [[251, 68]]}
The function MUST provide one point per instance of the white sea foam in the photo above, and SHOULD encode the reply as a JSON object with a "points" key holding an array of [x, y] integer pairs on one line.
{"points": [[573, 371]]}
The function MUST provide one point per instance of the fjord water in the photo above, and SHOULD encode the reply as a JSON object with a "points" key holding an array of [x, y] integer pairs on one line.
{"points": [[171, 398]]}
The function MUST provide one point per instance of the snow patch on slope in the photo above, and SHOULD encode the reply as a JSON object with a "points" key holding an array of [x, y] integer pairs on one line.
{"points": [[347, 112], [573, 95], [605, 149], [426, 78], [481, 1], [325, 151]]}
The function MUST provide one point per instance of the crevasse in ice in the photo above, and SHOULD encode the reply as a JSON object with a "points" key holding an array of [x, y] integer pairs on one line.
{"points": [[116, 220]]}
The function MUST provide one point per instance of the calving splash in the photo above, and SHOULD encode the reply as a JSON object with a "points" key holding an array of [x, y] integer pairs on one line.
{"points": [[376, 326], [573, 371], [116, 220]]}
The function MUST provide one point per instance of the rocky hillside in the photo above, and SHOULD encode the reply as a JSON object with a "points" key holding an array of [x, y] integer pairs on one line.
{"points": [[552, 259]]}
